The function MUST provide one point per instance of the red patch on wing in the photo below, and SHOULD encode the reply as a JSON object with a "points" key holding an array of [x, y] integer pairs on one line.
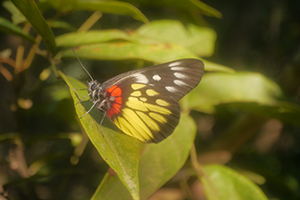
{"points": [[114, 91]]}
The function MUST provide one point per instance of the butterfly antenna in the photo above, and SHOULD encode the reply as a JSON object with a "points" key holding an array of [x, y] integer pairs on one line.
{"points": [[82, 65]]}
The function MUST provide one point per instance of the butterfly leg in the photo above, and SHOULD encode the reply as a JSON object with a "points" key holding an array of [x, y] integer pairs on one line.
{"points": [[81, 100], [101, 122], [89, 109]]}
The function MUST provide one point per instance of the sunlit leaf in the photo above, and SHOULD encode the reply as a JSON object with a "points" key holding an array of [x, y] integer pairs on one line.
{"points": [[63, 25], [121, 152], [75, 39], [16, 16], [220, 88], [157, 53], [221, 182], [247, 91], [199, 40], [211, 66]]}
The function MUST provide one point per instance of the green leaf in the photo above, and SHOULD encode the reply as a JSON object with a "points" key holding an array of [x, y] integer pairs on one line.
{"points": [[4, 137], [246, 91], [221, 182], [158, 164], [16, 16], [90, 37], [63, 25], [62, 5], [151, 42], [30, 10], [199, 40], [220, 88], [108, 187], [206, 9], [157, 53], [121, 152], [211, 66], [189, 6], [100, 36], [10, 28], [115, 7]]}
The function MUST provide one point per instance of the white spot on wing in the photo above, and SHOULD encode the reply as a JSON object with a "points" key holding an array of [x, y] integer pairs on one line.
{"points": [[179, 82], [170, 88], [177, 68], [179, 75], [174, 64], [111, 98], [140, 78], [156, 77]]}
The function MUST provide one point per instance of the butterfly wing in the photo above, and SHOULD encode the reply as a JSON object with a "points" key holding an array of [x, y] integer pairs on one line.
{"points": [[144, 102], [147, 113], [176, 77]]}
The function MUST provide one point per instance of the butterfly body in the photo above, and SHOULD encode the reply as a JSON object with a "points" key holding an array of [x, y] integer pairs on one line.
{"points": [[143, 103]]}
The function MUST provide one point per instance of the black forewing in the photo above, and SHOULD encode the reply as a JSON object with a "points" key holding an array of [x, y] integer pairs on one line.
{"points": [[176, 78]]}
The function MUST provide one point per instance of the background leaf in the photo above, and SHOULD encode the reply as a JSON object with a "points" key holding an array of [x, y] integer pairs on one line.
{"points": [[30, 10], [191, 6], [221, 182], [156, 160], [116, 7], [199, 40], [90, 37], [157, 53], [17, 17], [207, 10], [220, 88], [8, 27]]}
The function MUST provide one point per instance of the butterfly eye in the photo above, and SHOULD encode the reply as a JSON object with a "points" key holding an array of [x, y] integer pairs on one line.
{"points": [[94, 86]]}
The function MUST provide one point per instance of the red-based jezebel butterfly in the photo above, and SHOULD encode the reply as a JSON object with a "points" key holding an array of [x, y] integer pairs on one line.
{"points": [[143, 103]]}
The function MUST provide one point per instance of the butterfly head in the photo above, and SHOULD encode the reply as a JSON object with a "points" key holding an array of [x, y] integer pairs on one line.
{"points": [[93, 86], [95, 92]]}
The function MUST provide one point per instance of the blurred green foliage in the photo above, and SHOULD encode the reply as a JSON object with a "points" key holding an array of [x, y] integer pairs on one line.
{"points": [[244, 114]]}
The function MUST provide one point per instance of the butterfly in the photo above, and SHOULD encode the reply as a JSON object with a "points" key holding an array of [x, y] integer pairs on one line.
{"points": [[143, 103]]}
